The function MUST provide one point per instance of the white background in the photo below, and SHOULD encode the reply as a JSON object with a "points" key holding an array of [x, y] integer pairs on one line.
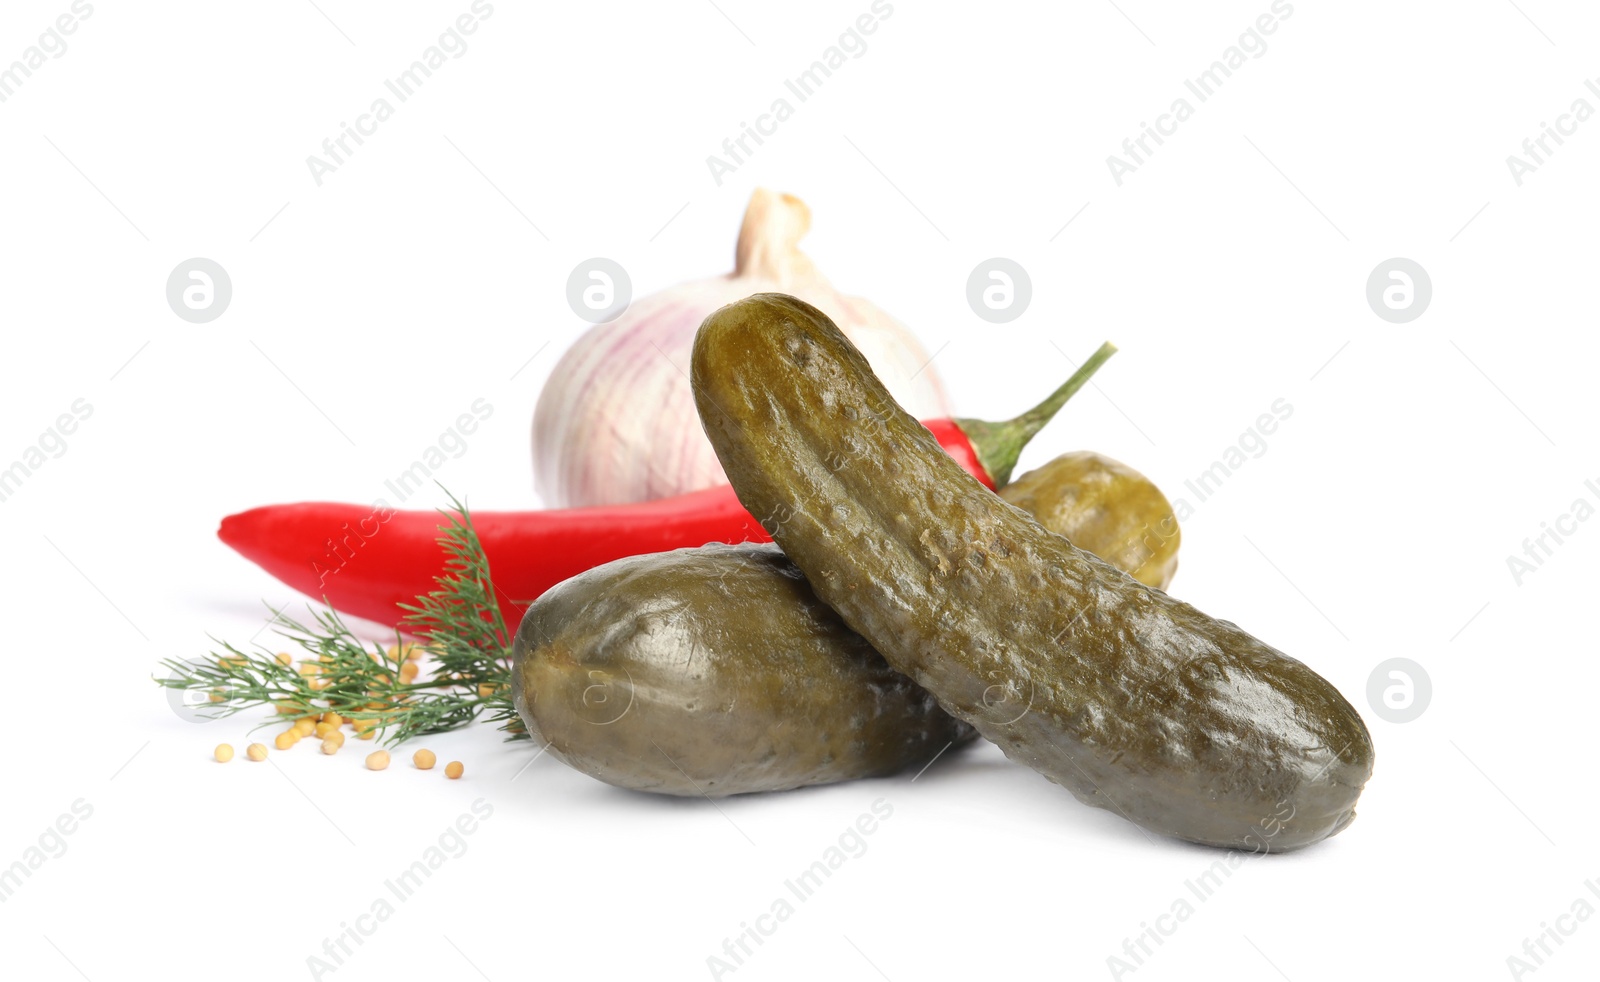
{"points": [[371, 311]]}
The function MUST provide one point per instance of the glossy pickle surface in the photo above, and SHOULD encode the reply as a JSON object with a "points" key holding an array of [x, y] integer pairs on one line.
{"points": [[1132, 699], [714, 671], [1105, 507]]}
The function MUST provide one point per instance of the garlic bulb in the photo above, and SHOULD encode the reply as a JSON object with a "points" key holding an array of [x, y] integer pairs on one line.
{"points": [[616, 421]]}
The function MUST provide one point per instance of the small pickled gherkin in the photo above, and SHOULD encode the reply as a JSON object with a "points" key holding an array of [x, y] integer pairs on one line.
{"points": [[714, 671], [1106, 507]]}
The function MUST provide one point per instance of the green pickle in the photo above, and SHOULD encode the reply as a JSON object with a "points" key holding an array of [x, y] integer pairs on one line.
{"points": [[1106, 507], [714, 671], [1131, 699]]}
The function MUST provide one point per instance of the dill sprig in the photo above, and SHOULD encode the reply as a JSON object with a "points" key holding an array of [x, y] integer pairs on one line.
{"points": [[459, 626]]}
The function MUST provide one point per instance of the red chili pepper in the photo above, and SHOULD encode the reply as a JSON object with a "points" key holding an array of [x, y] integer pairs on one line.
{"points": [[366, 561]]}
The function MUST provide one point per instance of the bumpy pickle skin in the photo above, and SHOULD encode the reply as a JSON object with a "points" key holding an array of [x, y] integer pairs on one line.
{"points": [[1107, 508], [1132, 700], [714, 671]]}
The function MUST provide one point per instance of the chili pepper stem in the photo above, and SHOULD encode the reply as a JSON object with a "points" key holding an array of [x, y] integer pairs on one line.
{"points": [[999, 444]]}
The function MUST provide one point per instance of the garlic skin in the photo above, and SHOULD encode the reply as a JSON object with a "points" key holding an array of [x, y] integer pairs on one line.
{"points": [[616, 422]]}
